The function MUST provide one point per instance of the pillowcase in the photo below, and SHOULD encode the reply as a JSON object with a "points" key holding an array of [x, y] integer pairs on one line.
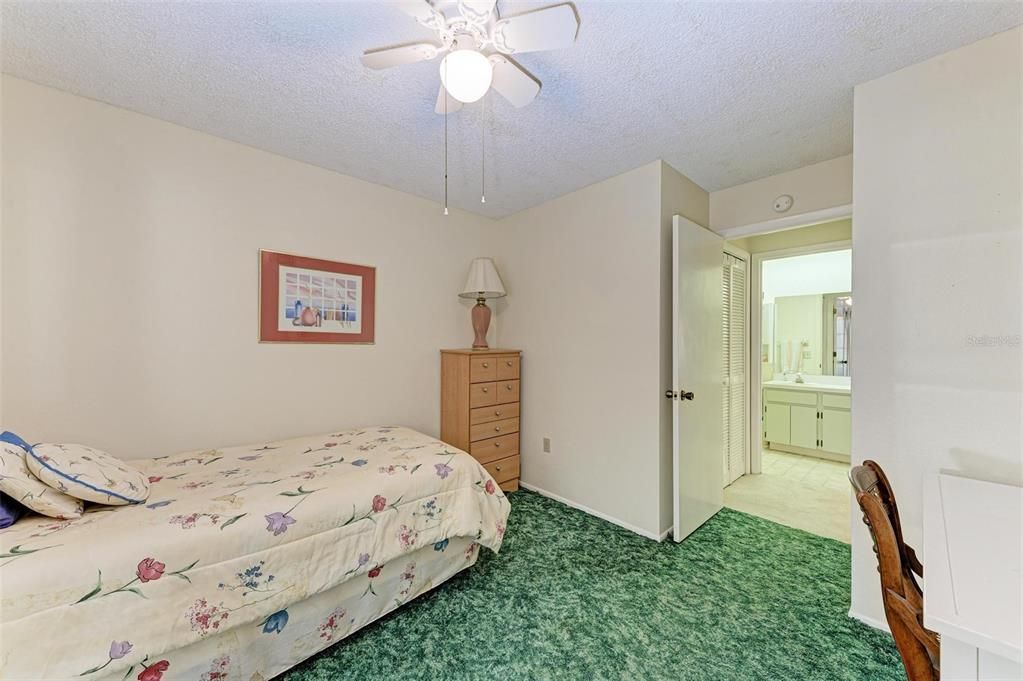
{"points": [[88, 474], [10, 511], [17, 481]]}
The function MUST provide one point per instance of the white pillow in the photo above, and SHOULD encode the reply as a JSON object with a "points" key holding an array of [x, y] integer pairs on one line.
{"points": [[17, 482], [88, 474]]}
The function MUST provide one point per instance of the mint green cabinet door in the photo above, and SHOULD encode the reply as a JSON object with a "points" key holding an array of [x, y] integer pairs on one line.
{"points": [[776, 423], [804, 426], [836, 431]]}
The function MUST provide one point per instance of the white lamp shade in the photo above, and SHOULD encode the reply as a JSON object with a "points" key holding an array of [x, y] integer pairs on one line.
{"points": [[466, 75], [483, 280]]}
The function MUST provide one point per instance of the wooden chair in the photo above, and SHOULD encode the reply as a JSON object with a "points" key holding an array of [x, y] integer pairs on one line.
{"points": [[897, 563], [870, 478]]}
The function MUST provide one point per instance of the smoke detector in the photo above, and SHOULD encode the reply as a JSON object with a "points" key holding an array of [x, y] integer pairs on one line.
{"points": [[782, 203]]}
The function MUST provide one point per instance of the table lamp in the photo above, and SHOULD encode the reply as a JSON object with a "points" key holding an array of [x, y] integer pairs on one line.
{"points": [[483, 282]]}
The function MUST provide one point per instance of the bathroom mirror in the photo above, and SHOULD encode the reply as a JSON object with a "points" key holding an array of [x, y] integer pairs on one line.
{"points": [[806, 315]]}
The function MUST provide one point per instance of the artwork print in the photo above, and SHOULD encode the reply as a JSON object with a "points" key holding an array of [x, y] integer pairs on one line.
{"points": [[308, 300]]}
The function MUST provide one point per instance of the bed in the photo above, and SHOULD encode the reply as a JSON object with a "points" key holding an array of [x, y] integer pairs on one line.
{"points": [[243, 561]]}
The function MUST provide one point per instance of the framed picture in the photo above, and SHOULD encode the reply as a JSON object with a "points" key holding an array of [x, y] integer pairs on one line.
{"points": [[308, 300]]}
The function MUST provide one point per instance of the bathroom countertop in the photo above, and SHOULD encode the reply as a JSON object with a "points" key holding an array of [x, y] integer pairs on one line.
{"points": [[810, 386]]}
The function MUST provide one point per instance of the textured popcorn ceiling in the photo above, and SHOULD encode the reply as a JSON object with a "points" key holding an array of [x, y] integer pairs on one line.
{"points": [[726, 92]]}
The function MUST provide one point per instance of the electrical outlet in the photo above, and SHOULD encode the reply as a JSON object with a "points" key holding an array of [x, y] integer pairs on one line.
{"points": [[547, 445]]}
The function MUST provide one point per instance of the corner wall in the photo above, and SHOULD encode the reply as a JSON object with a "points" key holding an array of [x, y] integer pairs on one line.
{"points": [[583, 303], [130, 285], [937, 279]]}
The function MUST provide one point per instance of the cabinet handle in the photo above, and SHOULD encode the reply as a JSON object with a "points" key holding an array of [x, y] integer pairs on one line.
{"points": [[497, 429], [497, 444], [486, 389], [508, 364], [497, 468], [497, 413], [508, 386], [486, 366]]}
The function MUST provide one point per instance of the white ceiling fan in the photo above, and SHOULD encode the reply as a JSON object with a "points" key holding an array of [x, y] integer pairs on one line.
{"points": [[478, 43]]}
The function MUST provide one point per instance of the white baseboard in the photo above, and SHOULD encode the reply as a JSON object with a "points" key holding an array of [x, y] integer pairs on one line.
{"points": [[870, 621], [603, 516]]}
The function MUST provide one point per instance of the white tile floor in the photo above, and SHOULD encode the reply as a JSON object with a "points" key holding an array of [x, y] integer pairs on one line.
{"points": [[798, 491]]}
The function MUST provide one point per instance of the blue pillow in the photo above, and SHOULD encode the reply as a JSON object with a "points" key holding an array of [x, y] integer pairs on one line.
{"points": [[10, 510]]}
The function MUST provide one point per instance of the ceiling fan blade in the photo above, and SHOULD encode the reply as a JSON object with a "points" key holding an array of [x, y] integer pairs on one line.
{"points": [[549, 28], [423, 12], [513, 82], [453, 104], [386, 57], [476, 11]]}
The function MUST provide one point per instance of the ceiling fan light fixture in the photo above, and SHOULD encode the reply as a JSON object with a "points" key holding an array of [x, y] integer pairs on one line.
{"points": [[466, 75]]}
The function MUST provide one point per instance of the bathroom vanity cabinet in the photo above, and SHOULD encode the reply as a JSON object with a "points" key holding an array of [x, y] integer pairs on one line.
{"points": [[808, 419]]}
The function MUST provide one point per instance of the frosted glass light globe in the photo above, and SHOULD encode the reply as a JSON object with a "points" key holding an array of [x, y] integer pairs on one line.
{"points": [[466, 75]]}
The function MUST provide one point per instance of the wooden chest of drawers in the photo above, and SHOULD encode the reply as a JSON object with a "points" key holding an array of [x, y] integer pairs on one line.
{"points": [[479, 408]]}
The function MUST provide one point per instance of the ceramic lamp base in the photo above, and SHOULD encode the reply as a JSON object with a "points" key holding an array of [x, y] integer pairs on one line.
{"points": [[480, 324]]}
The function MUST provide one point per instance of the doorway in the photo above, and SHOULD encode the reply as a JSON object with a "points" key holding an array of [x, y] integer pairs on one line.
{"points": [[797, 388]]}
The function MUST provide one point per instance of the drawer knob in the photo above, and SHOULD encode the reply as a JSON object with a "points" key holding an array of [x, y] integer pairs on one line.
{"points": [[497, 444], [486, 390], [498, 468], [486, 366], [508, 364], [497, 413], [497, 429], [508, 386]]}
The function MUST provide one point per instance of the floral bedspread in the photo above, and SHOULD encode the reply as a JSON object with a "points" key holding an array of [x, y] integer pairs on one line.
{"points": [[228, 538]]}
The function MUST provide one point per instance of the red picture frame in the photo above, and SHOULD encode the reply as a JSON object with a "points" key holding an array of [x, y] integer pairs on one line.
{"points": [[310, 300]]}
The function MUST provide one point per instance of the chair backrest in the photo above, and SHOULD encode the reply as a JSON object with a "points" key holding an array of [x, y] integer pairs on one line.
{"points": [[918, 646], [871, 479]]}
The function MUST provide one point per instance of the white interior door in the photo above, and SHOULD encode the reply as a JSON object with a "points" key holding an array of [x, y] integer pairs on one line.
{"points": [[696, 375]]}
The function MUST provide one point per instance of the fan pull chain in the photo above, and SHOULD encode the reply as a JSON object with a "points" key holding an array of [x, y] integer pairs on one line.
{"points": [[444, 92], [483, 146]]}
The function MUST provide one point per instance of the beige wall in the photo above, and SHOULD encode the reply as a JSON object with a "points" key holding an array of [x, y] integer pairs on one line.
{"points": [[583, 300], [2, 213], [130, 265], [937, 245], [586, 284], [826, 232], [130, 285], [817, 187]]}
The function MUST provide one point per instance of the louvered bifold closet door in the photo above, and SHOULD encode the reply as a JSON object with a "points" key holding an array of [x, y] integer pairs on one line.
{"points": [[734, 349]]}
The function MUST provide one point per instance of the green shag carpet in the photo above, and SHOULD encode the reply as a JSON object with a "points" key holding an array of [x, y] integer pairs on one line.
{"points": [[574, 597]]}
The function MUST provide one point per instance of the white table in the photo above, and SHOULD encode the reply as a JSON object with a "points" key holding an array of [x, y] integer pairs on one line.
{"points": [[973, 576]]}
